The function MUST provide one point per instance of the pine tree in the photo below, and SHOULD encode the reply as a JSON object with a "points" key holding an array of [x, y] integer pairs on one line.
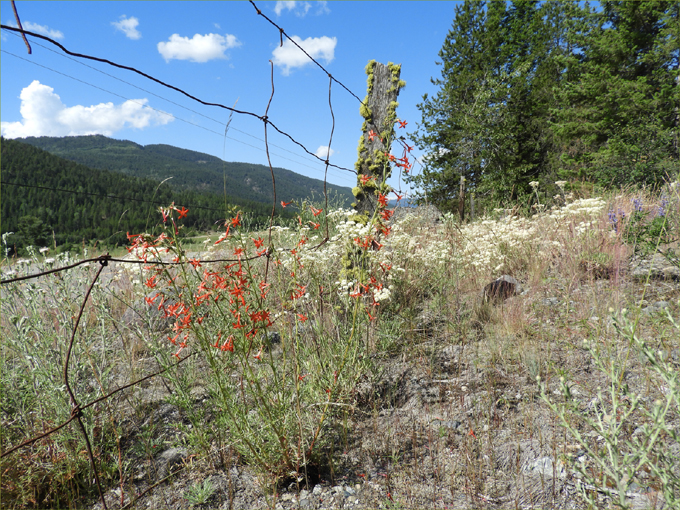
{"points": [[618, 110]]}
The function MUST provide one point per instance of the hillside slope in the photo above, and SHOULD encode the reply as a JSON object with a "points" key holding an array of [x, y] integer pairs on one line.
{"points": [[189, 170], [47, 199]]}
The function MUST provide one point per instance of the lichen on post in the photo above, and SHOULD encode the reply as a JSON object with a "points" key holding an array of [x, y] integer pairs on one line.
{"points": [[379, 111]]}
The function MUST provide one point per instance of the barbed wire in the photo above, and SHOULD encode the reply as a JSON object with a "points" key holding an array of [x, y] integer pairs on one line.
{"points": [[263, 119], [282, 33], [303, 157], [104, 260]]}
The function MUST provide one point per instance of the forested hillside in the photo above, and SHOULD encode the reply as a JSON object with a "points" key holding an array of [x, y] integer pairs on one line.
{"points": [[189, 170], [46, 199], [547, 91]]}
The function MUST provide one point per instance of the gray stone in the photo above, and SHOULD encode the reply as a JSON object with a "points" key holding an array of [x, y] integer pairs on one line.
{"points": [[656, 267], [169, 460], [546, 468], [501, 289], [551, 301]]}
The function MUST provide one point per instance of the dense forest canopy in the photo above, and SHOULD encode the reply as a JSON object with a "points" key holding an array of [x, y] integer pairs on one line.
{"points": [[189, 170], [547, 91], [102, 206]]}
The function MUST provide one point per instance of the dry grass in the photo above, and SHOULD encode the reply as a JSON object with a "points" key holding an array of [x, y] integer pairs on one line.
{"points": [[447, 412]]}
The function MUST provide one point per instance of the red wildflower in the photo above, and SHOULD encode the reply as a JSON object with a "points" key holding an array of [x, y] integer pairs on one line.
{"points": [[302, 317], [194, 262], [236, 222], [315, 225], [402, 123], [284, 204], [258, 242], [387, 214], [371, 135], [228, 344], [382, 199], [364, 179], [315, 212], [182, 213]]}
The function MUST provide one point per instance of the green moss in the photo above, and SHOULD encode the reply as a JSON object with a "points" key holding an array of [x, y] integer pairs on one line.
{"points": [[356, 191], [359, 218]]}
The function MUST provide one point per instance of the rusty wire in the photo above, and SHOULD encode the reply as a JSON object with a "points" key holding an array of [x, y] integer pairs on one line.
{"points": [[104, 260], [264, 119]]}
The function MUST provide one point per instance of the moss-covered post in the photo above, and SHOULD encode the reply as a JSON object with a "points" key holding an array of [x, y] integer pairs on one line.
{"points": [[379, 111]]}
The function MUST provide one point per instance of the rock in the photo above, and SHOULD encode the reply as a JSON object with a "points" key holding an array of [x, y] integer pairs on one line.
{"points": [[657, 267], [169, 460], [656, 307], [546, 468], [501, 289], [551, 301]]}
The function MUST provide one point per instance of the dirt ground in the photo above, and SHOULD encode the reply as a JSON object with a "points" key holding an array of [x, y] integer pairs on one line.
{"points": [[453, 419]]}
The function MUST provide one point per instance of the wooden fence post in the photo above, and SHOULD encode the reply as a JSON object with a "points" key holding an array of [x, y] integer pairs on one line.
{"points": [[379, 111], [380, 114]]}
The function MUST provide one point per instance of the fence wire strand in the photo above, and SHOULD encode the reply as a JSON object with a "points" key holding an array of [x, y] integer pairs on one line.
{"points": [[104, 260]]}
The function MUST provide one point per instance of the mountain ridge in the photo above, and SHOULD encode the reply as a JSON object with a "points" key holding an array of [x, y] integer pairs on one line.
{"points": [[188, 169]]}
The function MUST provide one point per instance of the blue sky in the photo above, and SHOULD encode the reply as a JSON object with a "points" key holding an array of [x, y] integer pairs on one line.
{"points": [[219, 52]]}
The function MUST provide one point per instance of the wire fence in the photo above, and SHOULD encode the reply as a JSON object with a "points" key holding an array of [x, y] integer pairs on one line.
{"points": [[103, 261]]}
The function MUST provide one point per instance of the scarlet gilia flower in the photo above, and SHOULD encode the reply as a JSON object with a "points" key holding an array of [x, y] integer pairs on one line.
{"points": [[194, 262], [236, 222], [364, 179], [299, 293], [284, 204], [387, 214], [315, 225], [228, 344], [258, 356], [402, 123], [182, 213], [223, 236], [302, 317], [258, 242], [382, 200], [371, 135], [315, 212]]}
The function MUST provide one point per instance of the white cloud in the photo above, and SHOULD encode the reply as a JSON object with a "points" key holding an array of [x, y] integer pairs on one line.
{"points": [[301, 8], [39, 29], [323, 152], [322, 8], [43, 114], [289, 56], [199, 49], [128, 26], [280, 6]]}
